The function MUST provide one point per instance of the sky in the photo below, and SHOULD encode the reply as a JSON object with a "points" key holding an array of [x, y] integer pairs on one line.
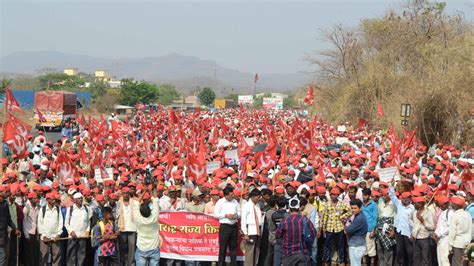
{"points": [[265, 36]]}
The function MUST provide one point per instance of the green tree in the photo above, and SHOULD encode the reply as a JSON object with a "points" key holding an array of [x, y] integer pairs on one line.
{"points": [[167, 94], [207, 96], [233, 96], [5, 83], [288, 102], [97, 88], [60, 81], [133, 92]]}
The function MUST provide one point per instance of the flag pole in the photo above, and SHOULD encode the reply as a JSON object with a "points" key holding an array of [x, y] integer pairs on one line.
{"points": [[1, 153]]}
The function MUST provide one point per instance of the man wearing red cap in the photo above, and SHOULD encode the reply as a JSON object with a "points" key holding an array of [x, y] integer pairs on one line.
{"points": [[403, 227], [126, 226], [423, 227], [442, 230], [459, 230], [334, 214], [30, 213], [50, 227]]}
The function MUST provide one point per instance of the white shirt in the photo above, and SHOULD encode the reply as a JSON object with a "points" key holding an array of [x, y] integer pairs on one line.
{"points": [[460, 229], [444, 220], [223, 207], [50, 224], [147, 228], [251, 219], [386, 209], [128, 224], [29, 221], [165, 204], [79, 223]]}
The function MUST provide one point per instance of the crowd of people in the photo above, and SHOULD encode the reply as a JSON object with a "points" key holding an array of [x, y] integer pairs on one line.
{"points": [[301, 192]]}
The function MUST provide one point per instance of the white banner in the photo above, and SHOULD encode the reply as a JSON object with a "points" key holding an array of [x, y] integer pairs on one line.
{"points": [[232, 154], [211, 166], [245, 99], [389, 173]]}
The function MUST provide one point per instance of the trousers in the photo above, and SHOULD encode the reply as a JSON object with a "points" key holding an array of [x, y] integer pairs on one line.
{"points": [[355, 254], [227, 239], [76, 252], [297, 260], [50, 247], [404, 250], [252, 251], [127, 242], [443, 251], [421, 252], [385, 256]]}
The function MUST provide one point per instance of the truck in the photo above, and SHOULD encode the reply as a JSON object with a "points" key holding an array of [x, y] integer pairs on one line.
{"points": [[224, 103], [56, 107]]}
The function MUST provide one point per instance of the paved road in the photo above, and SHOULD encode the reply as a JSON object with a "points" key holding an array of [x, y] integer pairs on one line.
{"points": [[50, 135]]}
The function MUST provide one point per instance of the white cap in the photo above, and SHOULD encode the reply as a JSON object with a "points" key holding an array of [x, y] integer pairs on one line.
{"points": [[36, 149], [44, 167], [77, 195], [294, 203]]}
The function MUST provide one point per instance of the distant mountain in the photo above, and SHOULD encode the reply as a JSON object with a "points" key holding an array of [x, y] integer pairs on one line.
{"points": [[185, 72]]}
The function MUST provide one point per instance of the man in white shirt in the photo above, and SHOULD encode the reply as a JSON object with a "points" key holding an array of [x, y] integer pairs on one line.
{"points": [[30, 212], [250, 226], [50, 227], [423, 226], [459, 230], [442, 230], [227, 210], [77, 224], [148, 239], [127, 228]]}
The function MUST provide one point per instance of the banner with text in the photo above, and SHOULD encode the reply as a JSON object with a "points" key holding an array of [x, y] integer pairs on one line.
{"points": [[191, 236]]}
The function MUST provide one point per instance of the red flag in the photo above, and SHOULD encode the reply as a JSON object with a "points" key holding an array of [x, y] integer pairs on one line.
{"points": [[309, 95], [65, 168], [380, 112], [467, 175], [264, 160], [304, 141], [361, 123], [15, 126], [41, 117], [196, 169], [241, 107], [10, 102], [14, 138], [255, 79]]}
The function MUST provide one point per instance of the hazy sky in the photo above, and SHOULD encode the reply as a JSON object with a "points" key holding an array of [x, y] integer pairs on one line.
{"points": [[252, 36]]}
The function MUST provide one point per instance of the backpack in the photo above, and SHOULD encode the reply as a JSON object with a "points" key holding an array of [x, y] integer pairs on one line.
{"points": [[94, 241], [43, 210], [307, 237], [72, 208]]}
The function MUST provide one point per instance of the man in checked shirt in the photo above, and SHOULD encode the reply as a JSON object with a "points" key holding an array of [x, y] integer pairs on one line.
{"points": [[334, 214], [290, 231]]}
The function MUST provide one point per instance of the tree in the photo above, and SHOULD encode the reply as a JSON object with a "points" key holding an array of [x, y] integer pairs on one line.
{"points": [[5, 83], [97, 89], [233, 96], [60, 81], [167, 94], [133, 92], [415, 56], [207, 96]]}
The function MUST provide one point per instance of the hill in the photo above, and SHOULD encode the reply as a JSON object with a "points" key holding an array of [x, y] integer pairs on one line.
{"points": [[185, 72]]}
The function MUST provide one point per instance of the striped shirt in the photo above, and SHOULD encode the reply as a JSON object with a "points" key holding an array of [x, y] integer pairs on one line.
{"points": [[290, 231]]}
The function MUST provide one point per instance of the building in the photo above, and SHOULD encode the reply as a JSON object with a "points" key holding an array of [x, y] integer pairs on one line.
{"points": [[102, 75], [273, 95], [114, 83], [70, 71]]}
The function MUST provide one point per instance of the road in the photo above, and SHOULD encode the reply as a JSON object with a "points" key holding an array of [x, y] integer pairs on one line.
{"points": [[50, 135]]}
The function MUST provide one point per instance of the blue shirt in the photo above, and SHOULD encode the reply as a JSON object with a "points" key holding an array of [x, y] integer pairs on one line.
{"points": [[403, 220], [66, 132], [371, 212], [357, 230]]}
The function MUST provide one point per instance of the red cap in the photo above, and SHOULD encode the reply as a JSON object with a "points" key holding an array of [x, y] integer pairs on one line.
{"points": [[405, 195], [335, 191], [279, 190], [419, 199], [458, 201], [32, 195], [442, 199], [321, 190], [99, 197]]}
